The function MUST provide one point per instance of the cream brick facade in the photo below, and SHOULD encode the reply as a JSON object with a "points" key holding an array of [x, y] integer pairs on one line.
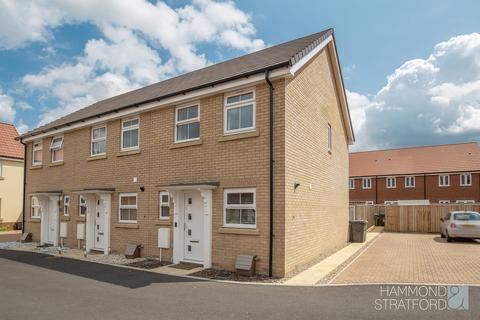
{"points": [[11, 191], [307, 222]]}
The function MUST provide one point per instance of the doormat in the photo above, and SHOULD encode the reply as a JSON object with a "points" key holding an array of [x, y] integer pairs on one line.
{"points": [[185, 266]]}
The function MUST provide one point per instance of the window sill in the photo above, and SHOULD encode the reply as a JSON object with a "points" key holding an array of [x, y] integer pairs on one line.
{"points": [[163, 222], [240, 135], [37, 166], [99, 157], [246, 231], [182, 144], [128, 153], [34, 220], [56, 164], [126, 225], [80, 219], [64, 218]]}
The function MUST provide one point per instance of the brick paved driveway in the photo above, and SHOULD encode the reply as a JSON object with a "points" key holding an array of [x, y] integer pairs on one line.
{"points": [[415, 258]]}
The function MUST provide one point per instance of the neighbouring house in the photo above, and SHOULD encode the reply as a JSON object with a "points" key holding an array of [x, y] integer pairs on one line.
{"points": [[244, 157], [447, 173], [11, 177]]}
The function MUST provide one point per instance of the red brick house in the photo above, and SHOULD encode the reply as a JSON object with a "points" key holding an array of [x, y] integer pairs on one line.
{"points": [[440, 174]]}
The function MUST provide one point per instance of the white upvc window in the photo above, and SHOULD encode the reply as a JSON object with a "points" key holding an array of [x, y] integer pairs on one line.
{"points": [[369, 202], [444, 180], [37, 153], [443, 201], [329, 137], [66, 205], [366, 183], [130, 134], [98, 145], [239, 208], [391, 182], [82, 206], [56, 147], [164, 205], [351, 183], [390, 202], [36, 209], [127, 208], [466, 179], [239, 112], [465, 201], [409, 181], [187, 123]]}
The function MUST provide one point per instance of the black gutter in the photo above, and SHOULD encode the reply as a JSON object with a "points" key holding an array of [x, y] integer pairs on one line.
{"points": [[137, 104], [270, 253], [24, 183]]}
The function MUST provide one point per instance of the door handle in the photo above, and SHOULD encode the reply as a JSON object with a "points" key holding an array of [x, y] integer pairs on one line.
{"points": [[100, 233], [194, 241]]}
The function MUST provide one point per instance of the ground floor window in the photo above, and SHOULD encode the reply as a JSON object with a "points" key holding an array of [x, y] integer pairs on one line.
{"points": [[36, 209], [164, 205], [444, 201], [465, 201], [240, 208], [128, 208]]}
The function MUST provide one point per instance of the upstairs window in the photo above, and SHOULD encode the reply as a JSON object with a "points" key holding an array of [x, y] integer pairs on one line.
{"points": [[66, 205], [239, 113], [187, 123], [37, 153], [57, 149], [164, 205], [466, 179], [99, 141], [444, 180], [351, 183], [128, 208], [36, 209], [130, 133], [391, 182], [239, 208], [82, 208], [366, 183], [410, 182]]}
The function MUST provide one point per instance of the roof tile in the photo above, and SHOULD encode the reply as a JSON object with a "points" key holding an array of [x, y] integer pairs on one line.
{"points": [[9, 147]]}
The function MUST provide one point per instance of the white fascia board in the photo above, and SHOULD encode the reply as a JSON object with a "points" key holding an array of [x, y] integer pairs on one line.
{"points": [[11, 159], [303, 61], [177, 99]]}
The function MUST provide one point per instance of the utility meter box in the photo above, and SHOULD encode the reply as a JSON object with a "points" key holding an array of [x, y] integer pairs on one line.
{"points": [[63, 230], [164, 238], [80, 231]]}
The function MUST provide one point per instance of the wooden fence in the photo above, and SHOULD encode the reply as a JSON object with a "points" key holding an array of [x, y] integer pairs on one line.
{"points": [[406, 218]]}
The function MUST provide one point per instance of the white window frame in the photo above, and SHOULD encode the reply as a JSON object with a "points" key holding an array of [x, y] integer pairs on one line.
{"points": [[239, 206], [164, 204], [351, 183], [465, 201], [187, 121], [442, 183], [369, 183], [135, 127], [80, 205], [235, 105], [37, 146], [410, 185], [329, 137], [120, 206], [53, 149], [66, 206], [391, 182], [369, 202], [35, 206], [462, 183], [92, 141], [390, 202], [444, 201]]}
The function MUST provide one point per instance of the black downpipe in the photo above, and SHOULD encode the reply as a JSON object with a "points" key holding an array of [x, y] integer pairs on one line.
{"points": [[24, 183], [270, 256]]}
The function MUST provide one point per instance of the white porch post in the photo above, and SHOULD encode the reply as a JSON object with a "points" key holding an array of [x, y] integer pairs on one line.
{"points": [[54, 210], [43, 201], [107, 206], [207, 227], [89, 221], [177, 224]]}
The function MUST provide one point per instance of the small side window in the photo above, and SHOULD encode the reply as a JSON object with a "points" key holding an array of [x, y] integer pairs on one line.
{"points": [[164, 205]]}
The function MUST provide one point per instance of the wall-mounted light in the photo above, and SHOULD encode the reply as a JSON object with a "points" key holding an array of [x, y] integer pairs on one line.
{"points": [[142, 189], [295, 186]]}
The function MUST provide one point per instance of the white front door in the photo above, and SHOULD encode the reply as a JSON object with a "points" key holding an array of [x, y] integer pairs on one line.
{"points": [[53, 207], [99, 224], [193, 229]]}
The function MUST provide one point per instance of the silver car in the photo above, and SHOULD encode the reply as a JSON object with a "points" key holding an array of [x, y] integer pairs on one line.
{"points": [[460, 224]]}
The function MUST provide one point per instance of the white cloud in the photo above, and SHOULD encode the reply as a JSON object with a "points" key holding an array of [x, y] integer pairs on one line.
{"points": [[7, 112], [127, 56], [425, 101]]}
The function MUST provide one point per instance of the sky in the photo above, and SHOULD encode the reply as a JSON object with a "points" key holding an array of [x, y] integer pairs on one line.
{"points": [[411, 68]]}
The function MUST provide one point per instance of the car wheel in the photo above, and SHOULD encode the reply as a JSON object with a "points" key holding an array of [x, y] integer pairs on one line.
{"points": [[449, 239]]}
